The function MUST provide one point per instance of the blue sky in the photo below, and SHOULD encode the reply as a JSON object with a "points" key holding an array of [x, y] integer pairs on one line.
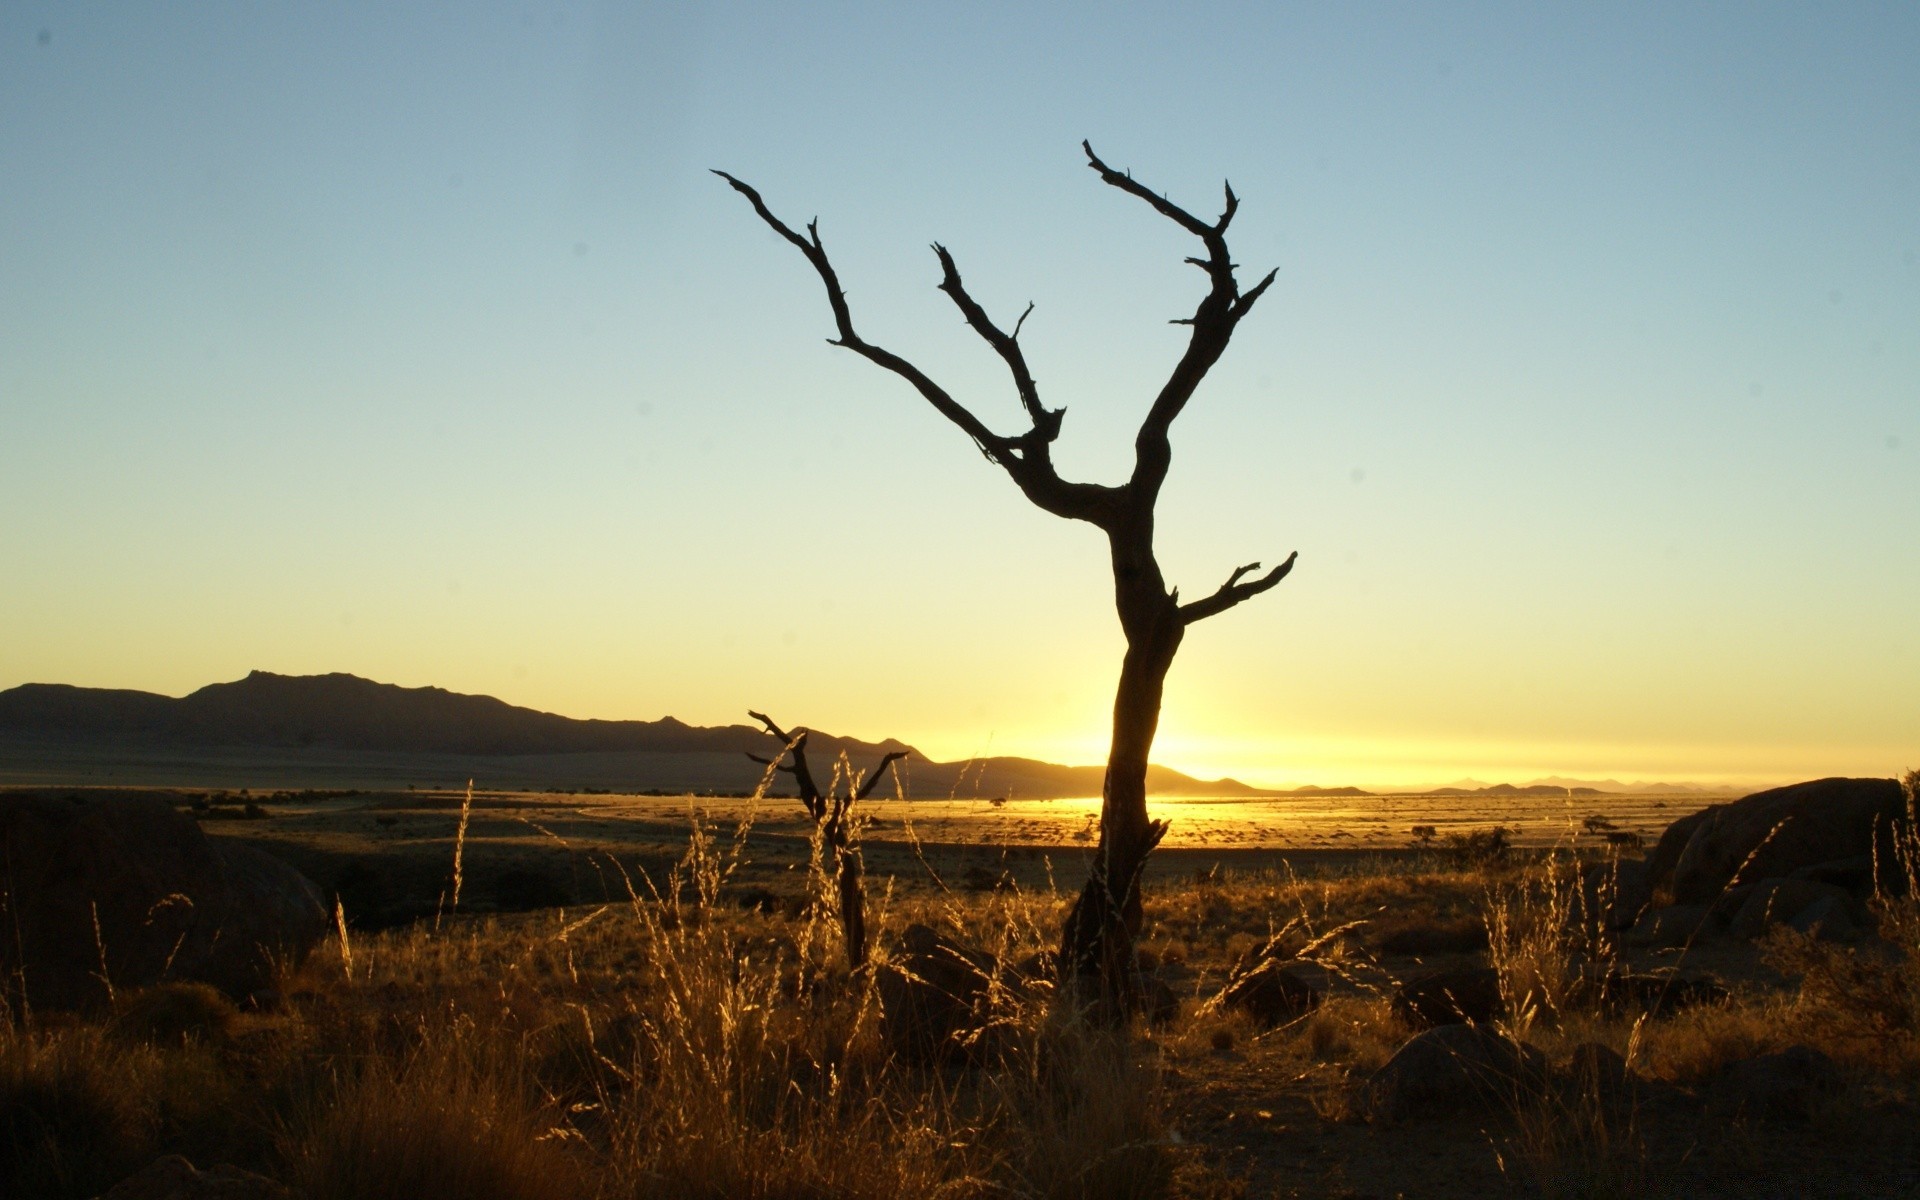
{"points": [[416, 341]]}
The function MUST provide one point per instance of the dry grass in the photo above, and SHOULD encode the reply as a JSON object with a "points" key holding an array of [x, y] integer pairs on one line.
{"points": [[678, 1045]]}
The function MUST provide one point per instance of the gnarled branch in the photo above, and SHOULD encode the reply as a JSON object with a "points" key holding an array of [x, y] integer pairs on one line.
{"points": [[879, 769], [1212, 322], [1024, 458], [1233, 591]]}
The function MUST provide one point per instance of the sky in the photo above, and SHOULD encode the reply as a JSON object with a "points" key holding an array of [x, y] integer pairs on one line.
{"points": [[416, 341]]}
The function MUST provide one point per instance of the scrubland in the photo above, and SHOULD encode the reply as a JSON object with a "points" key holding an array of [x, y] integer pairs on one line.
{"points": [[697, 1037]]}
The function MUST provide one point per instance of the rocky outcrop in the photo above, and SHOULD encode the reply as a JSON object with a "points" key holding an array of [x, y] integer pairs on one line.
{"points": [[111, 892], [1772, 834]]}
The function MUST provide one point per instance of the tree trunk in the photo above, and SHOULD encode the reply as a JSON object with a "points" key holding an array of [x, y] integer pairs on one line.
{"points": [[1096, 949], [849, 872]]}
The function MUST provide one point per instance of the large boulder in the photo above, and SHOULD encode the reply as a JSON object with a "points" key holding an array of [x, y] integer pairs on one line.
{"points": [[1774, 833], [118, 892]]}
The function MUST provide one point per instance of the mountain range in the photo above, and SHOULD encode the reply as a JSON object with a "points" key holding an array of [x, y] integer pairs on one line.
{"points": [[332, 731], [273, 730]]}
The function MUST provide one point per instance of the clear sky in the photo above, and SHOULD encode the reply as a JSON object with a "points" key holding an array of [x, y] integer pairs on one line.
{"points": [[416, 341]]}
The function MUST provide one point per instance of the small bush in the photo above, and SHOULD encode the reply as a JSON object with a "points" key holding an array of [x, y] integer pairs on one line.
{"points": [[1478, 847]]}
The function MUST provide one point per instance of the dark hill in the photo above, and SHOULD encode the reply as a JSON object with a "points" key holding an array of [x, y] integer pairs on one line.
{"points": [[300, 721]]}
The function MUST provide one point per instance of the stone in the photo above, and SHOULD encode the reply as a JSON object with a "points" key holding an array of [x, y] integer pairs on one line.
{"points": [[1450, 997], [272, 912], [1451, 1067], [1856, 874], [1786, 1086], [1620, 992], [174, 1178], [107, 891], [1616, 892], [1778, 901], [1675, 925], [1774, 833], [1827, 919], [1598, 1072], [935, 997], [1273, 994]]}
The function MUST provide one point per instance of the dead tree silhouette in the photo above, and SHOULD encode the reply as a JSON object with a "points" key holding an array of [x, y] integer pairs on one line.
{"points": [[832, 814], [1097, 940]]}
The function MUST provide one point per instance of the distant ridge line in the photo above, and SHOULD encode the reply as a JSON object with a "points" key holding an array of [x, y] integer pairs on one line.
{"points": [[295, 715]]}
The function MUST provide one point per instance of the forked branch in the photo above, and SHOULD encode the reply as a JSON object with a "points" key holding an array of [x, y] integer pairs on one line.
{"points": [[1025, 458], [1212, 323], [1233, 591]]}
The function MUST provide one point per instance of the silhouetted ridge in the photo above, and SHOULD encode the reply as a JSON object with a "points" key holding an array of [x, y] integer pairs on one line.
{"points": [[345, 712]]}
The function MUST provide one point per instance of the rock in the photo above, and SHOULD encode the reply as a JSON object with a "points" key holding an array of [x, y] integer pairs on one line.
{"points": [[1598, 1072], [1771, 834], [1615, 893], [1273, 994], [1855, 874], [272, 912], [1667, 851], [1159, 1003], [1450, 1067], [1675, 925], [1470, 994], [934, 997], [1778, 901], [1827, 919], [1788, 1085], [173, 1178], [1630, 993], [126, 887]]}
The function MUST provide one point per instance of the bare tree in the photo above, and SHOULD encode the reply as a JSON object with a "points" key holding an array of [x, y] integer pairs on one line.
{"points": [[1098, 937], [832, 815]]}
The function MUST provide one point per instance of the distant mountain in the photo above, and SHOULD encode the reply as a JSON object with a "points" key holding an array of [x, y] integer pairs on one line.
{"points": [[302, 724], [1311, 790], [1558, 785], [1508, 789]]}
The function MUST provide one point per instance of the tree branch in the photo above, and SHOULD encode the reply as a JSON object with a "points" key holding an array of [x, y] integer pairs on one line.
{"points": [[1212, 322], [796, 745], [1233, 591], [1046, 424], [1024, 458], [873, 776]]}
